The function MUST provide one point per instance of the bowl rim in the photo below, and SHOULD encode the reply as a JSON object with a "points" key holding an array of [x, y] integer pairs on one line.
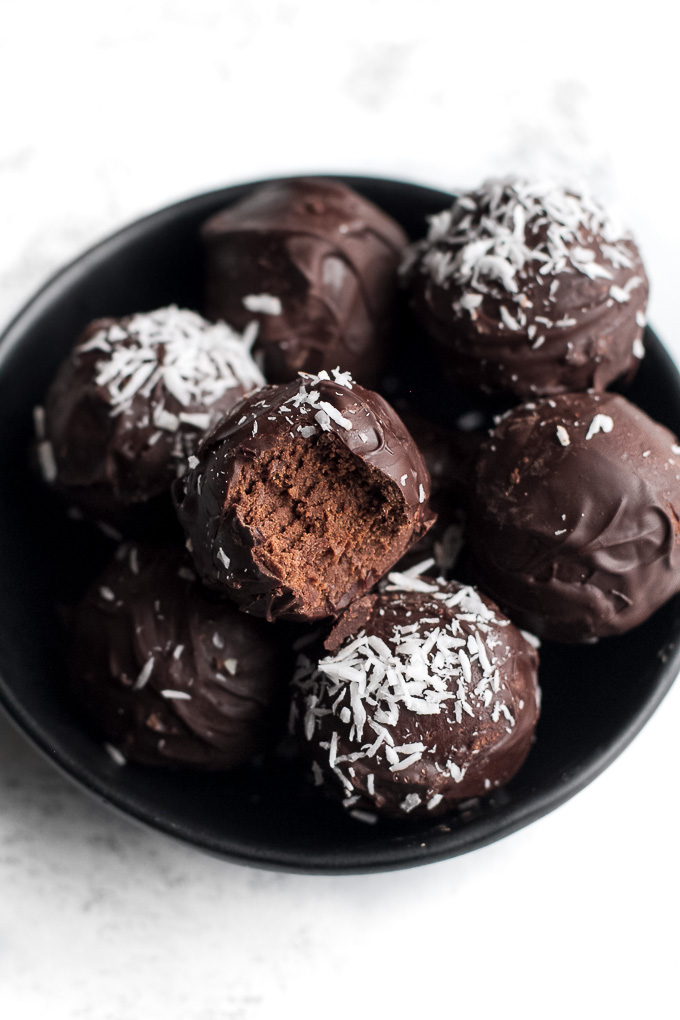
{"points": [[486, 830]]}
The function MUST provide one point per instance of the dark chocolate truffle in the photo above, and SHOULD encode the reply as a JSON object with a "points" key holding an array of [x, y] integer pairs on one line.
{"points": [[316, 264], [573, 520], [529, 289], [303, 497], [132, 401], [428, 697], [168, 676]]}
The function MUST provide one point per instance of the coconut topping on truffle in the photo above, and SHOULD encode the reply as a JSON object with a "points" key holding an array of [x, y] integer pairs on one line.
{"points": [[195, 361], [418, 692], [133, 399], [530, 288], [512, 227]]}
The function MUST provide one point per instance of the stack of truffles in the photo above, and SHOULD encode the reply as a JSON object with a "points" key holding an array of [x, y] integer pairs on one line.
{"points": [[313, 582]]}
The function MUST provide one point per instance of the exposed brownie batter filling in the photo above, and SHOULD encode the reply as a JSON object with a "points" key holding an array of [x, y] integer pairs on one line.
{"points": [[303, 497], [324, 519]]}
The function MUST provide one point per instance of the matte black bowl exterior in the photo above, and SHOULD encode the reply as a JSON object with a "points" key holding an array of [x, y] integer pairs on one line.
{"points": [[595, 698]]}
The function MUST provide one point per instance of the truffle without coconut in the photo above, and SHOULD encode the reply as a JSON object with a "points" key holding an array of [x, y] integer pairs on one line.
{"points": [[167, 675], [316, 264], [574, 516]]}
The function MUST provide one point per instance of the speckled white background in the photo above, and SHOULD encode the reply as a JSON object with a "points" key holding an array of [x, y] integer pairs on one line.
{"points": [[110, 110]]}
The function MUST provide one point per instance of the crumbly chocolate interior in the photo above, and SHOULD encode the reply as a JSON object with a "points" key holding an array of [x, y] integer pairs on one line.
{"points": [[325, 518]]}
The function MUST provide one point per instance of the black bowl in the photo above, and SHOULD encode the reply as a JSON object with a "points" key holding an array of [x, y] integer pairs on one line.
{"points": [[595, 699]]}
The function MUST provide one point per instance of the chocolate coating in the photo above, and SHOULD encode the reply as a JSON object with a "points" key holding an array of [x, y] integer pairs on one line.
{"points": [[317, 264], [529, 289], [437, 553], [212, 697], [428, 698], [132, 401], [577, 537], [342, 420], [449, 454]]}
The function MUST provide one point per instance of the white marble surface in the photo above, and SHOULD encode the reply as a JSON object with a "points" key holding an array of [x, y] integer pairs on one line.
{"points": [[111, 110]]}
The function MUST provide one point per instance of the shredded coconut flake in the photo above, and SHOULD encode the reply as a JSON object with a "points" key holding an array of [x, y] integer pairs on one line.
{"points": [[411, 801], [638, 348], [487, 240], [367, 817], [323, 419], [600, 423], [196, 420], [531, 638], [428, 667], [264, 304], [335, 415], [342, 378], [144, 675], [46, 460], [507, 319], [115, 755], [190, 359], [110, 532], [406, 582], [619, 294]]}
